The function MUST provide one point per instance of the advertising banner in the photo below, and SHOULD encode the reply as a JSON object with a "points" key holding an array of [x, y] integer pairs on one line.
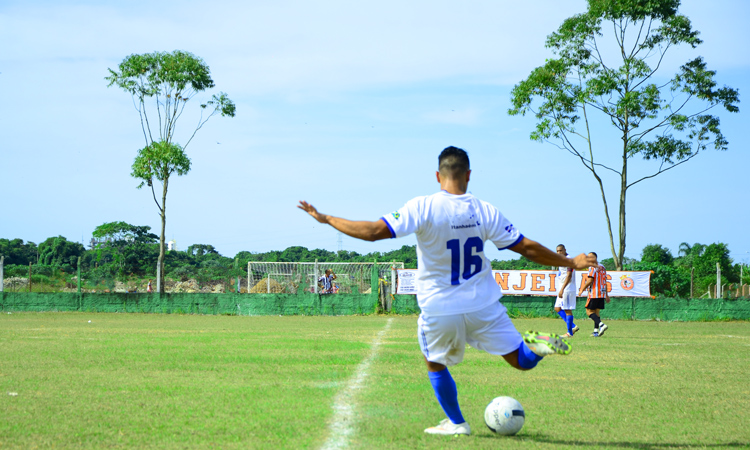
{"points": [[544, 282]]}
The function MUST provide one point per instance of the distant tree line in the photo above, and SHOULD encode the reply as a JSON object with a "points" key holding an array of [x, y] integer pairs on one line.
{"points": [[123, 251]]}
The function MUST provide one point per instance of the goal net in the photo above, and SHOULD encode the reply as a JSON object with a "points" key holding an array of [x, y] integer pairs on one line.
{"points": [[290, 277]]}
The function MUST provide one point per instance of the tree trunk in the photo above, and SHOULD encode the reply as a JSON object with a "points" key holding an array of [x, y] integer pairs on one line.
{"points": [[606, 216], [623, 189], [163, 234]]}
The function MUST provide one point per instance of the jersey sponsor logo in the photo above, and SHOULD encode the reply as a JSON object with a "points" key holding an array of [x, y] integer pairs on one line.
{"points": [[459, 222], [509, 228], [396, 215]]}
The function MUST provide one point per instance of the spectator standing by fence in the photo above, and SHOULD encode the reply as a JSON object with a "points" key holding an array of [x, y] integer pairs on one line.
{"points": [[325, 282]]}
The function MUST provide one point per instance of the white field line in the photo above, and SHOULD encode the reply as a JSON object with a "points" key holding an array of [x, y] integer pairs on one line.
{"points": [[343, 421]]}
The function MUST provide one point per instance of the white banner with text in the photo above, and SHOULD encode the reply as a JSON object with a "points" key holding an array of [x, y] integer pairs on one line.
{"points": [[544, 282]]}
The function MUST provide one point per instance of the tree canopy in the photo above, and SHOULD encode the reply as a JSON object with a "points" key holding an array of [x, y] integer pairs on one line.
{"points": [[606, 67], [60, 251], [16, 251], [172, 79], [655, 253], [124, 251], [130, 248]]}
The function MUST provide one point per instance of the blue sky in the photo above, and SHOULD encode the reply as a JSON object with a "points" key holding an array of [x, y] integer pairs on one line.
{"points": [[343, 104]]}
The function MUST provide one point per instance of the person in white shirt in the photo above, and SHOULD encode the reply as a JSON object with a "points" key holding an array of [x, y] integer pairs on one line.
{"points": [[456, 292], [565, 301]]}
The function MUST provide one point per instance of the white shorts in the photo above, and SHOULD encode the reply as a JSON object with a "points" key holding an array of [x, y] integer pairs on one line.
{"points": [[567, 302], [443, 339]]}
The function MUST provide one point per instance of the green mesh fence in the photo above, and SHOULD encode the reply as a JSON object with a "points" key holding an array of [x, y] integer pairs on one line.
{"points": [[666, 309]]}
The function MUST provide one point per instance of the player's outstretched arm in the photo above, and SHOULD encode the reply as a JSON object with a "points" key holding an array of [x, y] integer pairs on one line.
{"points": [[542, 255], [360, 229]]}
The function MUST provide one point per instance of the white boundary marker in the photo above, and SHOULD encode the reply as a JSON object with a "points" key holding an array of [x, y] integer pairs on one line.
{"points": [[342, 423]]}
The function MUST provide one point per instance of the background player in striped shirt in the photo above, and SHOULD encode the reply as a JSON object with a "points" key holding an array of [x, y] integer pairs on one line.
{"points": [[598, 293], [456, 292]]}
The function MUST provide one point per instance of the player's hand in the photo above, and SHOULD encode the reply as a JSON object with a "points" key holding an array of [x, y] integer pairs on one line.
{"points": [[310, 209], [559, 294], [584, 261]]}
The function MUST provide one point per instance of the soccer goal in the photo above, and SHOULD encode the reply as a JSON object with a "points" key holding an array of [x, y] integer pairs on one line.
{"points": [[290, 277]]}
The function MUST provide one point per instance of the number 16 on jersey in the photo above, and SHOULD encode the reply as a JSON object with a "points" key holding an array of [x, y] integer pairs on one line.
{"points": [[472, 260]]}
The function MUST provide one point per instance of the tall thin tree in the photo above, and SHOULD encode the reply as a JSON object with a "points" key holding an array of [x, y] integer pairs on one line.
{"points": [[605, 65], [161, 84]]}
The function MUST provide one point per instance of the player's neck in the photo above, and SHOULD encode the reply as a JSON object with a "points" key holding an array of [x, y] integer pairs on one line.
{"points": [[454, 187]]}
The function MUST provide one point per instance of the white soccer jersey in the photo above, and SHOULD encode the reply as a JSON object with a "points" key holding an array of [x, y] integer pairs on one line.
{"points": [[453, 275], [562, 274]]}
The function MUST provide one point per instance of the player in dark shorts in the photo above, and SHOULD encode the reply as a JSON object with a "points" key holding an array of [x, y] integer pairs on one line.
{"points": [[598, 294]]}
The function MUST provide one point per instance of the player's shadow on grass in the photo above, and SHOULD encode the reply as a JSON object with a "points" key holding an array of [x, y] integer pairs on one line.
{"points": [[639, 445]]}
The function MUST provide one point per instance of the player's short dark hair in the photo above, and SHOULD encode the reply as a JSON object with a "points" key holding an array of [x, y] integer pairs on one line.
{"points": [[453, 162], [595, 255]]}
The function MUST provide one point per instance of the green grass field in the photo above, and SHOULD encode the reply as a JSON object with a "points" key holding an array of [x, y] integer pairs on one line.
{"points": [[226, 382]]}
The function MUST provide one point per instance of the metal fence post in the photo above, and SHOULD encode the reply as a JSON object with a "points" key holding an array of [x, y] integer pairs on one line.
{"points": [[315, 276], [78, 276], [718, 280], [393, 278], [375, 280], [2, 282], [158, 278]]}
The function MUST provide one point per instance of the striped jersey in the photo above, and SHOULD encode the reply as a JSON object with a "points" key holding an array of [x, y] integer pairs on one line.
{"points": [[327, 282], [598, 288], [453, 274]]}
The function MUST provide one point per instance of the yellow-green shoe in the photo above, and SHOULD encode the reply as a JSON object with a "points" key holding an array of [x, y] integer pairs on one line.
{"points": [[544, 344]]}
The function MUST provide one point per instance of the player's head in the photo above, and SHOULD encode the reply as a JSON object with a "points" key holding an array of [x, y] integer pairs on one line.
{"points": [[594, 255], [328, 271], [561, 250], [453, 163]]}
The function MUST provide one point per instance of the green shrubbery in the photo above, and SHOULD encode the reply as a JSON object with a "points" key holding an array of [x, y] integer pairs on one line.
{"points": [[128, 254]]}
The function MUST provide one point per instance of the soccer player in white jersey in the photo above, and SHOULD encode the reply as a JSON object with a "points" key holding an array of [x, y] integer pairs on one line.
{"points": [[565, 301], [456, 292]]}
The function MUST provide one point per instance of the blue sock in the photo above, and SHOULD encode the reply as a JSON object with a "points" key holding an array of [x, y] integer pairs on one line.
{"points": [[571, 325], [447, 395], [562, 314], [526, 358]]}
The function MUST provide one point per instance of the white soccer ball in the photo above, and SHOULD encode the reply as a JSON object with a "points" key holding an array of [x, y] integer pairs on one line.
{"points": [[505, 416]]}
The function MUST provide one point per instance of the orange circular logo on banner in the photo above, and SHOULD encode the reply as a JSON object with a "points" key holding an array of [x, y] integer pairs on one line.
{"points": [[626, 282]]}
